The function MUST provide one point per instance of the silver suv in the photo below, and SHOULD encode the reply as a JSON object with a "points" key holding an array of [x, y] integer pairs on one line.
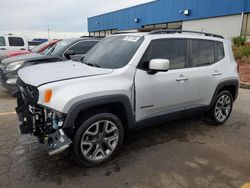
{"points": [[126, 81]]}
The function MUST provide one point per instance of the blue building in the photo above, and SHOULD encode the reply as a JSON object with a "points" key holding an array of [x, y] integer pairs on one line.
{"points": [[225, 17]]}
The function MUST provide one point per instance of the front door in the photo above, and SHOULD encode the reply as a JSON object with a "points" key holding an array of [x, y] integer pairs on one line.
{"points": [[163, 92]]}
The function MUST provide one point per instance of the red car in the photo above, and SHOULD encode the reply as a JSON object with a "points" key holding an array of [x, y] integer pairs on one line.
{"points": [[38, 49]]}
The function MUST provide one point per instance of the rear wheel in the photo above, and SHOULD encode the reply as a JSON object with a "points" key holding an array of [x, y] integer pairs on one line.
{"points": [[221, 108], [98, 139]]}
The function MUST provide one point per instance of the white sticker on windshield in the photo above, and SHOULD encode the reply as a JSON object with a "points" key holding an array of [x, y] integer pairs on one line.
{"points": [[131, 38]]}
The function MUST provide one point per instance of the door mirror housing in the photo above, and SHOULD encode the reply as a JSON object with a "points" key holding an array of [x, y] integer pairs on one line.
{"points": [[81, 59], [158, 65], [69, 53]]}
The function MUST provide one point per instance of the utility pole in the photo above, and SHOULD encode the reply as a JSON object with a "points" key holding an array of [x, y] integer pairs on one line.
{"points": [[48, 33]]}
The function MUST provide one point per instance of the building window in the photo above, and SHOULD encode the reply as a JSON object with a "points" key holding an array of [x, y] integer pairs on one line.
{"points": [[114, 31], [160, 26], [97, 34], [149, 26], [108, 32], [102, 33], [246, 25], [175, 25]]}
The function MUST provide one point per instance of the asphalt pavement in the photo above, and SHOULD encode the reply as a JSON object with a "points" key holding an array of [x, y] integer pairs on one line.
{"points": [[183, 153]]}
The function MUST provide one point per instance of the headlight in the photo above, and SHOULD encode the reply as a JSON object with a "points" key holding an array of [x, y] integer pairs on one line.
{"points": [[14, 66], [11, 81]]}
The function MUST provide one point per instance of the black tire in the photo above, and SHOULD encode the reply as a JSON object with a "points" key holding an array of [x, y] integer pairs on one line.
{"points": [[83, 160], [212, 113]]}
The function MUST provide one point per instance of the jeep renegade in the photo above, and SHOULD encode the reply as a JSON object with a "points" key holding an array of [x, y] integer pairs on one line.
{"points": [[126, 81]]}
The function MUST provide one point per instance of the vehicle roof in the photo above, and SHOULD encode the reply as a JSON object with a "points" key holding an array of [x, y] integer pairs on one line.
{"points": [[10, 35]]}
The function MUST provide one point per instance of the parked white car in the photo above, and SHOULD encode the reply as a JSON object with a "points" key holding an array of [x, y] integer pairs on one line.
{"points": [[11, 42], [126, 81]]}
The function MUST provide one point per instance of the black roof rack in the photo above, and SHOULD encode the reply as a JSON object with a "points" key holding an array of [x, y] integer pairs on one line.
{"points": [[171, 31]]}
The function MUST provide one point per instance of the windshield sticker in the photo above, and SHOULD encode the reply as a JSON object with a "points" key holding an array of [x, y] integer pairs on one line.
{"points": [[131, 38]]}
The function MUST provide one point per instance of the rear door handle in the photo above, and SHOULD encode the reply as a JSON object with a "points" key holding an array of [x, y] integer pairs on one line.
{"points": [[2, 48], [216, 73], [181, 78]]}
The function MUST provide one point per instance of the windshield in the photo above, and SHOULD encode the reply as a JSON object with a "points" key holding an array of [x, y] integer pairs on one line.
{"points": [[113, 52], [40, 46], [57, 48]]}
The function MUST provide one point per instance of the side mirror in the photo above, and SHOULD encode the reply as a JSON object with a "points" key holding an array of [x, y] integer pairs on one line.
{"points": [[82, 57], [69, 53], [158, 65]]}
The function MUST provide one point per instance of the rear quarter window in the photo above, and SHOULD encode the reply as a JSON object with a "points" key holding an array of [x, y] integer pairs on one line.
{"points": [[219, 50], [16, 41]]}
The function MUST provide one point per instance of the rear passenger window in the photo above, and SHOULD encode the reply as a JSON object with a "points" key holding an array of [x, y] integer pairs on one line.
{"points": [[219, 48], [203, 53], [173, 49], [16, 41], [2, 41]]}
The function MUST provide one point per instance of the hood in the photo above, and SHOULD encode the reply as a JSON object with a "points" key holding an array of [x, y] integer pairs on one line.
{"points": [[52, 72], [24, 57]]}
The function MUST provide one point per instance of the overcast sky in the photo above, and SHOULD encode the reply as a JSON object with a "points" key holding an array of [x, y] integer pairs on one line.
{"points": [[60, 15]]}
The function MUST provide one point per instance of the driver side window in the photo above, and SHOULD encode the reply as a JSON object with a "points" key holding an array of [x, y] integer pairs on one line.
{"points": [[175, 50]]}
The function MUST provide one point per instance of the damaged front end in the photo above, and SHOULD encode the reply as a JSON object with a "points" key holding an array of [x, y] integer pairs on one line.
{"points": [[45, 124]]}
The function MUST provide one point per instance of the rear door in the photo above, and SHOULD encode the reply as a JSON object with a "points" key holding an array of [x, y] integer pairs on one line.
{"points": [[206, 69], [3, 48]]}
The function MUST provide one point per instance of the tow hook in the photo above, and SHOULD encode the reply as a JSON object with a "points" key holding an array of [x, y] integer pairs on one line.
{"points": [[58, 142]]}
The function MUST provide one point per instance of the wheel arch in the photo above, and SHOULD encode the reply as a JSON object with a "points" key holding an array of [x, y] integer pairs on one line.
{"points": [[230, 85], [119, 105]]}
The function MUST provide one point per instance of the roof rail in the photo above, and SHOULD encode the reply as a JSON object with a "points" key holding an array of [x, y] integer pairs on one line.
{"points": [[171, 31]]}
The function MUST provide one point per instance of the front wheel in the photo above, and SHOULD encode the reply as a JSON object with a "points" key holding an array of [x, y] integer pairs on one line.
{"points": [[98, 139], [222, 107]]}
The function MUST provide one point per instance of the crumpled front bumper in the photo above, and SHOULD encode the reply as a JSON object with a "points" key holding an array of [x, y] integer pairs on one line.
{"points": [[40, 122]]}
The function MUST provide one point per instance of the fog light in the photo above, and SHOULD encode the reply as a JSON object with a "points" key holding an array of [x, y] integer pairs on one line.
{"points": [[11, 81]]}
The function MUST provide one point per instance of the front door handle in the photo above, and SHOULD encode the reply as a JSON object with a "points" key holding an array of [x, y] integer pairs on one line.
{"points": [[181, 78], [2, 48], [217, 73]]}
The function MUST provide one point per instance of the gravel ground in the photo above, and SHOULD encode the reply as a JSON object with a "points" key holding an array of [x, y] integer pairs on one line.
{"points": [[182, 153]]}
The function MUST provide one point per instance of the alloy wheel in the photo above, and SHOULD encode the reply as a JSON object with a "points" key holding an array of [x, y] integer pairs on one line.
{"points": [[223, 108], [99, 140]]}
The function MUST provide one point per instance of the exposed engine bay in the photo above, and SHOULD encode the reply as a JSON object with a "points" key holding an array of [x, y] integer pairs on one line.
{"points": [[45, 124]]}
